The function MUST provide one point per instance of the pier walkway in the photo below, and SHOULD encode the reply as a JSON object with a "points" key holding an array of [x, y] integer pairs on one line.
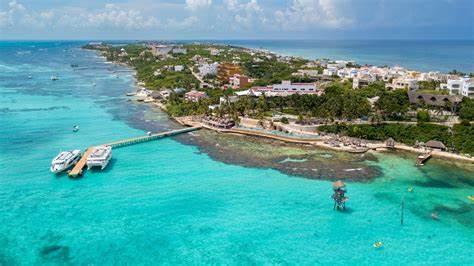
{"points": [[78, 168], [131, 141]]}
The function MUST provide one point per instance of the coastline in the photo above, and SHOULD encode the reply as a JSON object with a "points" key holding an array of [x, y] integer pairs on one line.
{"points": [[374, 146]]}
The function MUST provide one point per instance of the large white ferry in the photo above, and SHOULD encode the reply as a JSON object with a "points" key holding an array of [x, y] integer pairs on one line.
{"points": [[65, 160], [99, 157]]}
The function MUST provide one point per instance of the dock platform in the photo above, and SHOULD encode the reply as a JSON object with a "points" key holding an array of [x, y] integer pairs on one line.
{"points": [[77, 170], [79, 167], [422, 158]]}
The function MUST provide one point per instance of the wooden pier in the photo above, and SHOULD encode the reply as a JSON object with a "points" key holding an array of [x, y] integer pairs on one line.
{"points": [[77, 170], [131, 141], [81, 164], [422, 158]]}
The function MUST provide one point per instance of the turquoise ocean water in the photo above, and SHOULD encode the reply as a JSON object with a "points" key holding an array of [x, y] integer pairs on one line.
{"points": [[422, 55], [166, 203]]}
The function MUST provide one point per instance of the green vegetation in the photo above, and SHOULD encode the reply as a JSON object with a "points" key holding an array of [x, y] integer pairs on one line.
{"points": [[466, 109], [429, 85], [393, 104], [338, 102], [423, 116], [460, 138]]}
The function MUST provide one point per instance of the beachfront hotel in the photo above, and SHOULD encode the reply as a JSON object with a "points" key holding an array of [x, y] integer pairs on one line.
{"points": [[286, 88], [460, 86]]}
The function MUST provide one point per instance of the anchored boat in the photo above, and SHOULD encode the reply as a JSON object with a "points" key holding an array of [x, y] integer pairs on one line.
{"points": [[99, 157], [65, 160]]}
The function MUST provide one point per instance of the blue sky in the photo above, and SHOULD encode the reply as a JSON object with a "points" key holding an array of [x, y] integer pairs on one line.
{"points": [[237, 19]]}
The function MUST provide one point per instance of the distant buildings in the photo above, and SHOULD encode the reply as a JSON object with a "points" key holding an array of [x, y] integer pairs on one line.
{"points": [[286, 88], [460, 86], [362, 80], [306, 73], [122, 53], [226, 70], [163, 50], [195, 96], [208, 69], [179, 50], [160, 50], [178, 68], [330, 71], [403, 83], [238, 81], [214, 51]]}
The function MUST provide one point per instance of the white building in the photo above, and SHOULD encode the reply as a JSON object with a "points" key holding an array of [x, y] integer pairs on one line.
{"points": [[330, 71], [160, 50], [208, 69], [306, 73], [468, 88], [362, 80], [347, 73], [404, 83], [286, 88], [214, 51], [178, 68], [460, 86], [179, 50], [455, 86]]}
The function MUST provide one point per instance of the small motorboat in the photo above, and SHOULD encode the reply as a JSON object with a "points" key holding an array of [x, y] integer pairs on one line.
{"points": [[30, 77], [149, 133], [75, 128], [434, 216], [131, 94], [378, 244], [410, 189], [54, 77]]}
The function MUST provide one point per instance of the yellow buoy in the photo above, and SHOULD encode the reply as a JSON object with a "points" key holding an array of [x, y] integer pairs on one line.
{"points": [[378, 244], [471, 197]]}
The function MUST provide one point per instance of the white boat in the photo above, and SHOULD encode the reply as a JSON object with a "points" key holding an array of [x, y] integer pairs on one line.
{"points": [[65, 160], [54, 77], [75, 128], [99, 157], [131, 94]]}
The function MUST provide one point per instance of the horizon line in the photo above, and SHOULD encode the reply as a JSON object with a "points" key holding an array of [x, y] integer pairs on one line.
{"points": [[243, 39]]}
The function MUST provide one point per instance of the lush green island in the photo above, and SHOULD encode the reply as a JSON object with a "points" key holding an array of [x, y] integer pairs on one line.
{"points": [[321, 96]]}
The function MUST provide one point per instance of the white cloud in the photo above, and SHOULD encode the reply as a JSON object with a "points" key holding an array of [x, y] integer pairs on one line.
{"points": [[245, 14], [14, 5], [309, 13], [186, 23], [115, 17], [112, 16], [196, 4]]}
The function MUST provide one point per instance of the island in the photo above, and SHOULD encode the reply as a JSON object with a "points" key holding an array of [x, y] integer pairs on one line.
{"points": [[333, 104]]}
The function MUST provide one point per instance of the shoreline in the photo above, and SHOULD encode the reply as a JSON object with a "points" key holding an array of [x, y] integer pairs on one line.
{"points": [[375, 146]]}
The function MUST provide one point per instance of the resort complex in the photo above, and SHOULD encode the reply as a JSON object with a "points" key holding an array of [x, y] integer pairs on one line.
{"points": [[257, 92]]}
